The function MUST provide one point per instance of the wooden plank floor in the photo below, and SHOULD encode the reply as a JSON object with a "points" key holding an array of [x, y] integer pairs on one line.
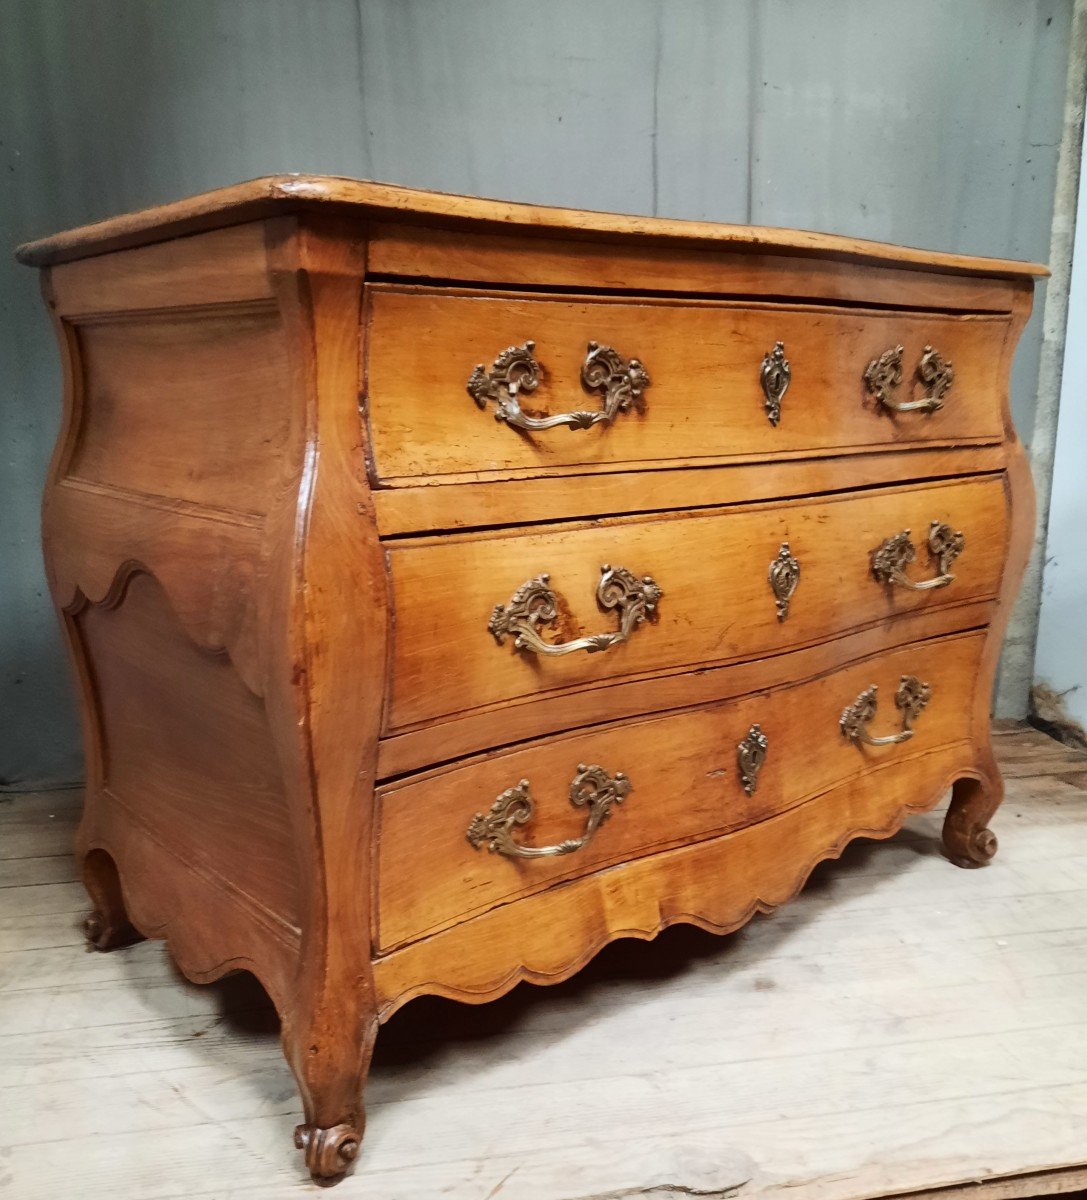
{"points": [[904, 1026]]}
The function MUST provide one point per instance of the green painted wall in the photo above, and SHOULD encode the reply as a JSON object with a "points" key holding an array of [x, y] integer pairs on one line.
{"points": [[931, 122]]}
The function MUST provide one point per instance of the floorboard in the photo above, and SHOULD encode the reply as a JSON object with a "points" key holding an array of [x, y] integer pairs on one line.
{"points": [[903, 1029]]}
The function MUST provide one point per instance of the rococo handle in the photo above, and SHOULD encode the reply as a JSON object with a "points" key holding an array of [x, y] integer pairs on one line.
{"points": [[516, 371], [535, 604], [592, 786], [891, 558], [883, 376], [910, 698]]}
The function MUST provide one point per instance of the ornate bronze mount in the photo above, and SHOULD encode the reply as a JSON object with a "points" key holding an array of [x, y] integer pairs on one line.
{"points": [[751, 754], [535, 604], [910, 698], [775, 377], [891, 558], [591, 786], [516, 371], [784, 575], [883, 376]]}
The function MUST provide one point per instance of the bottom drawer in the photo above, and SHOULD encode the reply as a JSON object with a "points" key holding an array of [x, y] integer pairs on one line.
{"points": [[460, 840]]}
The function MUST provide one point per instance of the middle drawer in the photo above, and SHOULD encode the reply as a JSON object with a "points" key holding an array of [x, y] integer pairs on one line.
{"points": [[491, 619]]}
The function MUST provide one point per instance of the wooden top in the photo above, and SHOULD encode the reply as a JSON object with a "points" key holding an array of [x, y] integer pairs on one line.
{"points": [[278, 194]]}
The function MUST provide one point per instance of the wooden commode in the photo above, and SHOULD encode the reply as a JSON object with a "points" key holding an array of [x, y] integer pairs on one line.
{"points": [[455, 586]]}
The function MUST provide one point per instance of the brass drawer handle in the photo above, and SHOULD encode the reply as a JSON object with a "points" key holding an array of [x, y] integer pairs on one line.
{"points": [[591, 786], [911, 697], [516, 371], [884, 374], [535, 604], [890, 559]]}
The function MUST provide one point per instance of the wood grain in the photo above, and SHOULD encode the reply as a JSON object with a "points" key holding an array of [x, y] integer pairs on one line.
{"points": [[430, 877], [264, 560], [967, 837], [717, 884], [704, 400], [717, 604], [189, 831], [429, 504], [332, 597], [208, 562], [278, 194], [465, 255], [228, 264], [189, 747], [192, 406], [446, 740]]}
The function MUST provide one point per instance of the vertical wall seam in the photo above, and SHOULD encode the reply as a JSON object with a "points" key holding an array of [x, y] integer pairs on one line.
{"points": [[754, 67], [654, 158], [367, 156], [1017, 661]]}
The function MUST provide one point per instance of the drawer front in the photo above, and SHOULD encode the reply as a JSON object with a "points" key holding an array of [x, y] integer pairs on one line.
{"points": [[705, 398], [717, 602], [619, 792]]}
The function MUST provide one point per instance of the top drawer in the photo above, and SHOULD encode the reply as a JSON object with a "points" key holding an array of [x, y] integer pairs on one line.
{"points": [[708, 398]]}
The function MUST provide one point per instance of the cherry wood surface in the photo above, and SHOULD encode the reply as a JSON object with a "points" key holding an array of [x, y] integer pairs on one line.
{"points": [[429, 876], [426, 505], [467, 255], [190, 748], [717, 603], [290, 699], [704, 400], [717, 884], [136, 369], [276, 194], [611, 700], [227, 266]]}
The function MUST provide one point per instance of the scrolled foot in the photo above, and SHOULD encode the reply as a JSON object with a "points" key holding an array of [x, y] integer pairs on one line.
{"points": [[108, 926], [968, 840], [970, 848], [103, 934], [329, 1152]]}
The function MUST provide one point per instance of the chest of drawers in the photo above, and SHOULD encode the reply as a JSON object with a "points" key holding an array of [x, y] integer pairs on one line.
{"points": [[455, 586]]}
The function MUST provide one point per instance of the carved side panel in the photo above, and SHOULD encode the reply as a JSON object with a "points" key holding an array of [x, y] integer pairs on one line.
{"points": [[189, 405], [182, 433], [211, 544], [189, 752]]}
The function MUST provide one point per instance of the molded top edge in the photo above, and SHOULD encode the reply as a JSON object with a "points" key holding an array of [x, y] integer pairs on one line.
{"points": [[276, 194]]}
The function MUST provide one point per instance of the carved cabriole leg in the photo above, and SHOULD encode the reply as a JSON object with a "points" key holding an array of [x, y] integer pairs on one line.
{"points": [[967, 838], [332, 652], [974, 799], [329, 1051], [107, 927]]}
